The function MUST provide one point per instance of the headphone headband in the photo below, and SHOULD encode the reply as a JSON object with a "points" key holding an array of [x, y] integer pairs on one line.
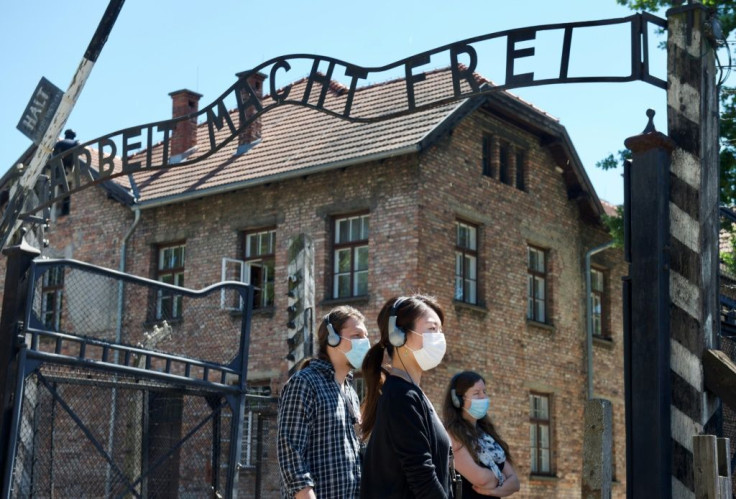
{"points": [[333, 339], [453, 394], [396, 335]]}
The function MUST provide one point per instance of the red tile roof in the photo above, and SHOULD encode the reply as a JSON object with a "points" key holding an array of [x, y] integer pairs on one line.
{"points": [[297, 140]]}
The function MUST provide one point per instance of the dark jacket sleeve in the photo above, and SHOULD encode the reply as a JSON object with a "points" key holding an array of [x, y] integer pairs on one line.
{"points": [[411, 428]]}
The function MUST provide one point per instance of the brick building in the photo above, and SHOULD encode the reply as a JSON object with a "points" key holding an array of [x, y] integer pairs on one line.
{"points": [[483, 203]]}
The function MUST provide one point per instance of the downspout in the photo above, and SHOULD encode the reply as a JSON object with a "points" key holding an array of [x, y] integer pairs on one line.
{"points": [[589, 313], [118, 339]]}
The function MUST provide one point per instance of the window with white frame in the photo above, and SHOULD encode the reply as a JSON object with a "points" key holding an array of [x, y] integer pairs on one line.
{"points": [[596, 297], [170, 270], [536, 284], [350, 258], [259, 265], [539, 433], [466, 262], [52, 290]]}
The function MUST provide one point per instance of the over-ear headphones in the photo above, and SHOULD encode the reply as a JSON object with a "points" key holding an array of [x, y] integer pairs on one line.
{"points": [[333, 339], [453, 394], [396, 335]]}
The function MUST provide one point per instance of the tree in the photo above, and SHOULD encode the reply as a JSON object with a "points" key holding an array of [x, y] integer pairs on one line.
{"points": [[725, 11]]}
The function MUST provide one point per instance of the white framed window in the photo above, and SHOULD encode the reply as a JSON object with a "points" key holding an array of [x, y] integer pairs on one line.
{"points": [[52, 292], [466, 262], [171, 260], [350, 257], [539, 433], [536, 284], [597, 299], [259, 258]]}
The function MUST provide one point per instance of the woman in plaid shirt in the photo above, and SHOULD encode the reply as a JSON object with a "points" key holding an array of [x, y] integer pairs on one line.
{"points": [[318, 445]]}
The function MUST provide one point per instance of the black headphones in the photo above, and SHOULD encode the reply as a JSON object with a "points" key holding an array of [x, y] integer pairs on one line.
{"points": [[333, 339], [453, 394], [396, 335]]}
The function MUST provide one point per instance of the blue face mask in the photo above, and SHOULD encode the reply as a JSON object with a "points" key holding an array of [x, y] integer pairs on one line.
{"points": [[358, 351], [478, 407]]}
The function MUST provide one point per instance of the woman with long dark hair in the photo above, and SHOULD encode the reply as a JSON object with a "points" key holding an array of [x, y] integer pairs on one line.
{"points": [[408, 451], [482, 457]]}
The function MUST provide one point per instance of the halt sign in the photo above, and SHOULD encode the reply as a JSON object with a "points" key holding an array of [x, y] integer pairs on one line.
{"points": [[40, 110]]}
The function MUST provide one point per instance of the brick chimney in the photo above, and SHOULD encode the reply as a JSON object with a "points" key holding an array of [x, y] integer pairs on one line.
{"points": [[253, 131], [185, 134]]}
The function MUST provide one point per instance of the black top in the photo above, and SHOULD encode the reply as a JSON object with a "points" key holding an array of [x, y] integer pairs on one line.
{"points": [[469, 493], [408, 454]]}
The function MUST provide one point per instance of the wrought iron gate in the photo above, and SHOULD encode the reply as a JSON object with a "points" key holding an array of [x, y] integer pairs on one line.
{"points": [[127, 387]]}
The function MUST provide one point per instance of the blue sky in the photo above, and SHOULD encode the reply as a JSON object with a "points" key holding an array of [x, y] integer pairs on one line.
{"points": [[160, 46]]}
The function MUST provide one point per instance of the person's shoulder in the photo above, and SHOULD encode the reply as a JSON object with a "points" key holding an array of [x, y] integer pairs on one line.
{"points": [[398, 389]]}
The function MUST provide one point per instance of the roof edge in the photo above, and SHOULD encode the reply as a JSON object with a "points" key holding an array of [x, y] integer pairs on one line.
{"points": [[188, 195]]}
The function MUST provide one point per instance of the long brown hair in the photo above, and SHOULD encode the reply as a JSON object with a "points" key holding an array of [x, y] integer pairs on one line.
{"points": [[460, 428], [409, 310], [338, 316]]}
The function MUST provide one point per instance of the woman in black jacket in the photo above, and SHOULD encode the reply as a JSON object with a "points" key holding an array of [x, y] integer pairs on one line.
{"points": [[408, 449]]}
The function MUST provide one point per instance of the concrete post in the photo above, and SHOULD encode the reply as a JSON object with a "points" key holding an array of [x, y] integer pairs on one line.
{"points": [[597, 454]]}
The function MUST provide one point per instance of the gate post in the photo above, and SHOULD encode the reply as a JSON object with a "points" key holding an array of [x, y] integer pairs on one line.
{"points": [[692, 121], [18, 261], [647, 328]]}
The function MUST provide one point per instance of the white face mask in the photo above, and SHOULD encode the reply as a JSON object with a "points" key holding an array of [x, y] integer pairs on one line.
{"points": [[432, 351]]}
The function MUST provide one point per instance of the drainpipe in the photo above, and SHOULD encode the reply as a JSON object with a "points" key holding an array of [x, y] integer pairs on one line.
{"points": [[589, 313], [118, 339]]}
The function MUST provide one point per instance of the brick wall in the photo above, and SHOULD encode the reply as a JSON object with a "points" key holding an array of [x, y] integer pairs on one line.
{"points": [[413, 203]]}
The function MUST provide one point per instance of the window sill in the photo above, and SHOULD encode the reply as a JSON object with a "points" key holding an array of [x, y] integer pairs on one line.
{"points": [[543, 478], [541, 325], [348, 300], [157, 322], [479, 308], [265, 311], [603, 341]]}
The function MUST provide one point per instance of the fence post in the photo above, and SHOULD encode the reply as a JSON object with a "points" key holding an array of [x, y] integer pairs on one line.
{"points": [[18, 261], [647, 338], [711, 467]]}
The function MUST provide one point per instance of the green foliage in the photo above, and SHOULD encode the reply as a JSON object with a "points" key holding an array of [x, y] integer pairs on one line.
{"points": [[615, 226], [725, 10], [610, 162]]}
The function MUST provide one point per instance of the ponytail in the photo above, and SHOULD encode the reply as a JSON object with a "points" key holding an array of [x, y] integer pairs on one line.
{"points": [[373, 381]]}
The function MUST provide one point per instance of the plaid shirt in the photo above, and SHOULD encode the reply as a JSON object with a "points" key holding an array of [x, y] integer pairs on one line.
{"points": [[317, 445]]}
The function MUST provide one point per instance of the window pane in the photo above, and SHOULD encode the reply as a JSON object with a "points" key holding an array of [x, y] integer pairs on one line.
{"points": [[356, 229], [462, 235], [361, 283], [472, 238], [470, 291], [544, 437], [366, 227], [342, 260], [343, 230], [459, 264], [543, 407], [342, 285], [361, 258], [544, 466], [470, 267], [459, 288], [539, 288], [264, 240]]}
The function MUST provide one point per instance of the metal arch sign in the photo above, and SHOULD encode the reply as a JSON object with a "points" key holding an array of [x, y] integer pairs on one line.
{"points": [[462, 57]]}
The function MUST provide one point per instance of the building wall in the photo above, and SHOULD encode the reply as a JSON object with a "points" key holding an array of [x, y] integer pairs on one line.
{"points": [[413, 203], [515, 355]]}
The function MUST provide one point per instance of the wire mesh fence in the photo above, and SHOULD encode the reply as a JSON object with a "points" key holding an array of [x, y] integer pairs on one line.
{"points": [[134, 388]]}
